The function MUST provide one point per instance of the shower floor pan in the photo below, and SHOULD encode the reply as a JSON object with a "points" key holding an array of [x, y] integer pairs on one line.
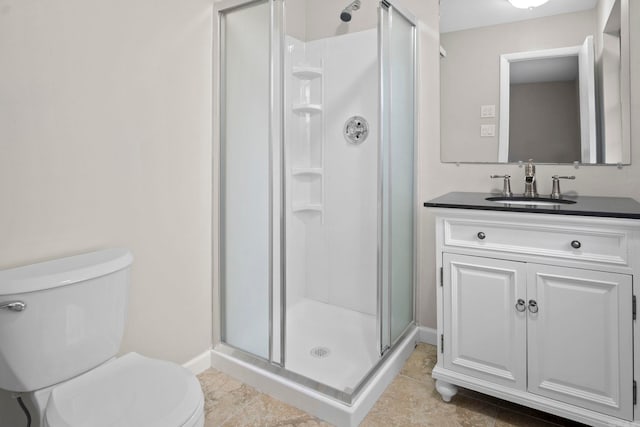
{"points": [[328, 347], [330, 344]]}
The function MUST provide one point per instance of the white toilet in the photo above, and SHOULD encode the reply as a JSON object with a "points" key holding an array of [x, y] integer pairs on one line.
{"points": [[61, 324]]}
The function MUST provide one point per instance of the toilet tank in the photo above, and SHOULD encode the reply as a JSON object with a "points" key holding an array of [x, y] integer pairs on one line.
{"points": [[72, 321]]}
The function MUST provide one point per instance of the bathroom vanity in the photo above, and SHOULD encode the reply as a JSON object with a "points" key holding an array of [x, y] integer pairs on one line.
{"points": [[536, 304]]}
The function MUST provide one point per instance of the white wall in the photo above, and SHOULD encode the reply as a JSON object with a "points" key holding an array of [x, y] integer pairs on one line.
{"points": [[105, 135], [323, 18], [332, 256], [351, 171]]}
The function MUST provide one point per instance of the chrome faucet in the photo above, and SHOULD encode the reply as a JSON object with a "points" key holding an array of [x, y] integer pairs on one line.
{"points": [[506, 186], [555, 192], [530, 187]]}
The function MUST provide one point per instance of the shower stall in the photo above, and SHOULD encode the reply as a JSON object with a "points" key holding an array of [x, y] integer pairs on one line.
{"points": [[315, 190]]}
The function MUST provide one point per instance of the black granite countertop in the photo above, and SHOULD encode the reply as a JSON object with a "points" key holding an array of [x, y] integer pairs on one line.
{"points": [[611, 207]]}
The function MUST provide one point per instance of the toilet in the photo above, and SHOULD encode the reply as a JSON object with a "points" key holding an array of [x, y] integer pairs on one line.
{"points": [[61, 325]]}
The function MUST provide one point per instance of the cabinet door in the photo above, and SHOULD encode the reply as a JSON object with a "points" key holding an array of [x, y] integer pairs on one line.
{"points": [[580, 339], [484, 333]]}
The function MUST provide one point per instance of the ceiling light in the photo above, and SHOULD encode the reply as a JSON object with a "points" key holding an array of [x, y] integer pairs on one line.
{"points": [[527, 4]]}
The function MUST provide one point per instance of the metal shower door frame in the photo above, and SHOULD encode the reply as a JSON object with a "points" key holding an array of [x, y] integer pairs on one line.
{"points": [[385, 339], [275, 112]]}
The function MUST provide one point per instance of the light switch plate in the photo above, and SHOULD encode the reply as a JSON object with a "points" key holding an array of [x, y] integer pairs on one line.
{"points": [[487, 111], [487, 130]]}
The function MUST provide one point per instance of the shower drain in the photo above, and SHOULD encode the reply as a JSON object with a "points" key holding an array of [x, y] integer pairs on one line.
{"points": [[320, 352]]}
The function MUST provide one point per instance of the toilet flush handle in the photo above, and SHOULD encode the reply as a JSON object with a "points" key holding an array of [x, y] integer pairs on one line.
{"points": [[13, 306]]}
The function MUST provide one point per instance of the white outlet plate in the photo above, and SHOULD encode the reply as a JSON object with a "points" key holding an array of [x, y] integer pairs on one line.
{"points": [[487, 111], [487, 130]]}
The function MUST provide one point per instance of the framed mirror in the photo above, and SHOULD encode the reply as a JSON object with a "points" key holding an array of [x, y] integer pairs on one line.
{"points": [[550, 83]]}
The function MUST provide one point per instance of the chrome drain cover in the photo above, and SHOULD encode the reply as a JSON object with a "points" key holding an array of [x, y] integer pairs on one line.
{"points": [[320, 352]]}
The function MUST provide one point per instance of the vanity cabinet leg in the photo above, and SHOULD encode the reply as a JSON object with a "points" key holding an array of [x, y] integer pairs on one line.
{"points": [[446, 390]]}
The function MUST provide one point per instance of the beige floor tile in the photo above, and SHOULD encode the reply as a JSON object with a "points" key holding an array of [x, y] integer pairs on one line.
{"points": [[408, 402], [265, 411], [420, 363], [224, 396]]}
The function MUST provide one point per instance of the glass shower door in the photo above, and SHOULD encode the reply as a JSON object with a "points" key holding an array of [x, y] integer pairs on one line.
{"points": [[398, 194], [246, 219]]}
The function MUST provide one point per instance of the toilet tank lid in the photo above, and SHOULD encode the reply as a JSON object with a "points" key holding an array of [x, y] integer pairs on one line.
{"points": [[63, 271]]}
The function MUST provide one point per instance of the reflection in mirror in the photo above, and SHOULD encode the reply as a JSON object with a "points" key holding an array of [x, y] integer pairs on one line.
{"points": [[550, 83], [555, 87]]}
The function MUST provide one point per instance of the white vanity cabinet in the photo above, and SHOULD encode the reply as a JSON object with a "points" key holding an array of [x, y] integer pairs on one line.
{"points": [[538, 309]]}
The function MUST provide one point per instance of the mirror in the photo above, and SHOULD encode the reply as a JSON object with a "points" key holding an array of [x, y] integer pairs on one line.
{"points": [[549, 83]]}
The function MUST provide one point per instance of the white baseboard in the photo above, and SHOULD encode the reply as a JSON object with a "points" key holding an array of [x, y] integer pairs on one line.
{"points": [[427, 335], [199, 363]]}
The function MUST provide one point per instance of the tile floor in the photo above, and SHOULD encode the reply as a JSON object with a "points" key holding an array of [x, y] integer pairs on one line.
{"points": [[411, 400]]}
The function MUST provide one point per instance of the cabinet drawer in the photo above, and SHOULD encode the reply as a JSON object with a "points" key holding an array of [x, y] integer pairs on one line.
{"points": [[588, 242]]}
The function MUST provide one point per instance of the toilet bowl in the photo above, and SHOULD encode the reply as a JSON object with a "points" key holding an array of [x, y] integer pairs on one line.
{"points": [[61, 325], [130, 391]]}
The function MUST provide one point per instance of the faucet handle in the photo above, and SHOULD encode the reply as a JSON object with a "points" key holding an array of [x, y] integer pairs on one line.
{"points": [[555, 191], [506, 189]]}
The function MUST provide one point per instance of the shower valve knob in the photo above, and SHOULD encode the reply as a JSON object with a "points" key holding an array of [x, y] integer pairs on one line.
{"points": [[356, 129]]}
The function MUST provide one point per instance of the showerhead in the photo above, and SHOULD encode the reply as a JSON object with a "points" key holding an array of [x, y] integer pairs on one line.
{"points": [[345, 15]]}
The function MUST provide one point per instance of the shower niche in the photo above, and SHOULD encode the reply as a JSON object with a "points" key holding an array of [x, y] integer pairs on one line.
{"points": [[315, 264]]}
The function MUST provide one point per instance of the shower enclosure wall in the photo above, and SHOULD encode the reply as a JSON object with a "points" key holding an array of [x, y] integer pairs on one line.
{"points": [[315, 150]]}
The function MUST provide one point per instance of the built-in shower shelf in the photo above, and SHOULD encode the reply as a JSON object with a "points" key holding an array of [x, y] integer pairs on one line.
{"points": [[307, 108], [306, 72], [306, 207], [306, 171]]}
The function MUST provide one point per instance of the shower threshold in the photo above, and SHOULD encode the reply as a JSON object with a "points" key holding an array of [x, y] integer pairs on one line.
{"points": [[332, 405]]}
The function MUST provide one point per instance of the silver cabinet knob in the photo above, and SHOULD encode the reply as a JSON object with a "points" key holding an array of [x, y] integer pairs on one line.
{"points": [[481, 235], [533, 306], [576, 244], [521, 305]]}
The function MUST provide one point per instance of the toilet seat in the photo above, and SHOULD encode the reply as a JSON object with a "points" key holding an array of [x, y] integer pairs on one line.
{"points": [[131, 391]]}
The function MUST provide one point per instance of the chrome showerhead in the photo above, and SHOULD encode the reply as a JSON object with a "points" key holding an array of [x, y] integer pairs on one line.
{"points": [[345, 15]]}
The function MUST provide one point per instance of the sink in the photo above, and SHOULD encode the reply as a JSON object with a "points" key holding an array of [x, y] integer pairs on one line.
{"points": [[530, 201]]}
